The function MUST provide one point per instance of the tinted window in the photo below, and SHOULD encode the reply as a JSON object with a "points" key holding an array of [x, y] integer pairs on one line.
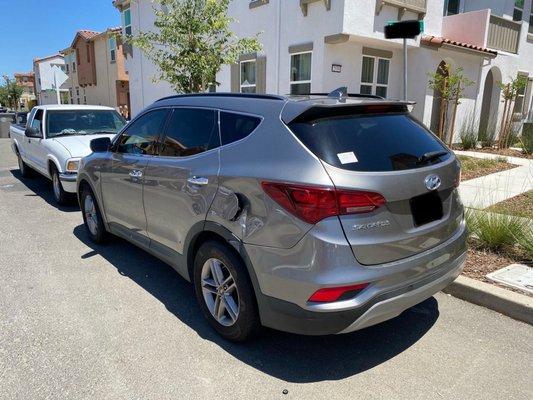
{"points": [[235, 127], [83, 122], [142, 135], [383, 142], [189, 131]]}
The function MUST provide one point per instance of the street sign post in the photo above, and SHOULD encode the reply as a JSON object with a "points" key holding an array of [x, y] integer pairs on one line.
{"points": [[59, 78], [404, 30]]}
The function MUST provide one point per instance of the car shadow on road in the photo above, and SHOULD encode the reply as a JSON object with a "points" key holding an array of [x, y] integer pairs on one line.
{"points": [[42, 187], [289, 357]]}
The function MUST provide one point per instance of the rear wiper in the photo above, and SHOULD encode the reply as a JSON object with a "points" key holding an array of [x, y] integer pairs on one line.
{"points": [[430, 156]]}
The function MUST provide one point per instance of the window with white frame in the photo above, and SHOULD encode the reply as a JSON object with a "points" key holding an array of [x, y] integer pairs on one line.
{"points": [[300, 82], [248, 76], [112, 48], [518, 10], [126, 21], [375, 76]]}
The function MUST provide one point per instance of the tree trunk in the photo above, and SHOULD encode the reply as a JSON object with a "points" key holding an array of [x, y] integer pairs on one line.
{"points": [[452, 124], [503, 123], [441, 118]]}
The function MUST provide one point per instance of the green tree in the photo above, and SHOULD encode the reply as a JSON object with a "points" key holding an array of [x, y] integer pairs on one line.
{"points": [[191, 42], [10, 93], [510, 93], [449, 86]]}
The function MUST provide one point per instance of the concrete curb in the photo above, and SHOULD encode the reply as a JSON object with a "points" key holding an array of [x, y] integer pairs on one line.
{"points": [[511, 304]]}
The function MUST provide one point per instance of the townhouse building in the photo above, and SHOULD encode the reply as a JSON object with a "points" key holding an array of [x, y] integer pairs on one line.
{"points": [[26, 80], [94, 63], [43, 69], [319, 45]]}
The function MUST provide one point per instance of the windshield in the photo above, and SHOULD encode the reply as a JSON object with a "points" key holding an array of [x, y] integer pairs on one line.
{"points": [[82, 122]]}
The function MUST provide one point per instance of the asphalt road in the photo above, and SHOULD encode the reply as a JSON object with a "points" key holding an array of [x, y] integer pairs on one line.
{"points": [[83, 321]]}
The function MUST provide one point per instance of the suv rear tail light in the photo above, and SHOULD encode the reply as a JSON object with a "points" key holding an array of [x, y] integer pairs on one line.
{"points": [[314, 203], [328, 295]]}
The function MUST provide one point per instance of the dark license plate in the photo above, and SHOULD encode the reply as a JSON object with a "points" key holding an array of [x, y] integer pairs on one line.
{"points": [[426, 208]]}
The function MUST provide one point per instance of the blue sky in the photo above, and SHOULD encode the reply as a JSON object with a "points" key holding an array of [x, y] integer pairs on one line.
{"points": [[37, 28]]}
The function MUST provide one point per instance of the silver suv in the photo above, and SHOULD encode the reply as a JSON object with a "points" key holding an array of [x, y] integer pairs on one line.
{"points": [[313, 214]]}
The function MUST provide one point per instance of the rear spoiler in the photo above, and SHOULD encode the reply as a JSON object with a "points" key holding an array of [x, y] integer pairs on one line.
{"points": [[309, 110]]}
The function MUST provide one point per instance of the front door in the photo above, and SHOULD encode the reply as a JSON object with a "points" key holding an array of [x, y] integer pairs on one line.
{"points": [[123, 175], [182, 180], [34, 151]]}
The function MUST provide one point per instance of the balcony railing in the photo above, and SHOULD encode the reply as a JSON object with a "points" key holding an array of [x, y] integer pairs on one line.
{"points": [[417, 6], [503, 34]]}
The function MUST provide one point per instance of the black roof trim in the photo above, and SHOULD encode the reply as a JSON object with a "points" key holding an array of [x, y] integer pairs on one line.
{"points": [[226, 94], [356, 95]]}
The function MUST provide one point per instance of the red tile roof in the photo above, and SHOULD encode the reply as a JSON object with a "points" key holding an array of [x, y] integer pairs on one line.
{"points": [[86, 34], [439, 41]]}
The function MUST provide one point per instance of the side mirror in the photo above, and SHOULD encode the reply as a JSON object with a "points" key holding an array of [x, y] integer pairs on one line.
{"points": [[100, 145], [32, 132]]}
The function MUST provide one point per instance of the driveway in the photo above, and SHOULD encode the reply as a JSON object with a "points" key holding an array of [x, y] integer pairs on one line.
{"points": [[79, 321]]}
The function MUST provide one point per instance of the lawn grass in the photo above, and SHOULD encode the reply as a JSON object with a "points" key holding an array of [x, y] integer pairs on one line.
{"points": [[473, 167], [521, 206]]}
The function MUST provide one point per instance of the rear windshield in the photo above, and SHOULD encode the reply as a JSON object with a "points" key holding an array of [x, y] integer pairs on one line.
{"points": [[377, 142]]}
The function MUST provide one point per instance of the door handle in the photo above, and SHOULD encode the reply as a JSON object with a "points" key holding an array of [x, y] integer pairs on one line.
{"points": [[198, 180], [136, 174]]}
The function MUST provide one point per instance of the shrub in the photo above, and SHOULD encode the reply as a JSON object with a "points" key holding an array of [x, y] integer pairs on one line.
{"points": [[496, 231], [487, 134], [468, 139], [525, 240], [513, 136], [527, 138], [468, 133]]}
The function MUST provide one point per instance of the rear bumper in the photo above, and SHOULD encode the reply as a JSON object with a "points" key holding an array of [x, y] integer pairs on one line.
{"points": [[68, 181], [285, 316], [393, 288]]}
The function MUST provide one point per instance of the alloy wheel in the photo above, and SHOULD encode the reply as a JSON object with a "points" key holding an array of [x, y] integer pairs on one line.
{"points": [[91, 218], [220, 292]]}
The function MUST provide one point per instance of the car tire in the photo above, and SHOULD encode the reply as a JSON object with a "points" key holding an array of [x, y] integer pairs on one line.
{"points": [[236, 318], [92, 218], [24, 169], [61, 197]]}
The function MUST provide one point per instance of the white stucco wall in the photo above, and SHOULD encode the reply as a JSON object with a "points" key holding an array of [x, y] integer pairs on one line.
{"points": [[143, 90], [44, 78]]}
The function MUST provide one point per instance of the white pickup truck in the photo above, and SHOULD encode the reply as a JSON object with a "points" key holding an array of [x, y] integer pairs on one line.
{"points": [[56, 137]]}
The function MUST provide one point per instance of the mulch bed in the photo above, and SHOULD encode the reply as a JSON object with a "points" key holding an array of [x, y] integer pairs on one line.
{"points": [[480, 262], [521, 205], [467, 174], [504, 152]]}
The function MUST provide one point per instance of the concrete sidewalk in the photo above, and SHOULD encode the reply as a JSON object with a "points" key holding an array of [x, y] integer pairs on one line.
{"points": [[487, 190]]}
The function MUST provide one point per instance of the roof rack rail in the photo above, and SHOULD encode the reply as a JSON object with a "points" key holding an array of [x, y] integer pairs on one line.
{"points": [[226, 94]]}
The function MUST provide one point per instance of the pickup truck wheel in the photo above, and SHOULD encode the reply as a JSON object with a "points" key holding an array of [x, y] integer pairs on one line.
{"points": [[25, 171], [60, 195], [92, 218], [224, 291]]}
